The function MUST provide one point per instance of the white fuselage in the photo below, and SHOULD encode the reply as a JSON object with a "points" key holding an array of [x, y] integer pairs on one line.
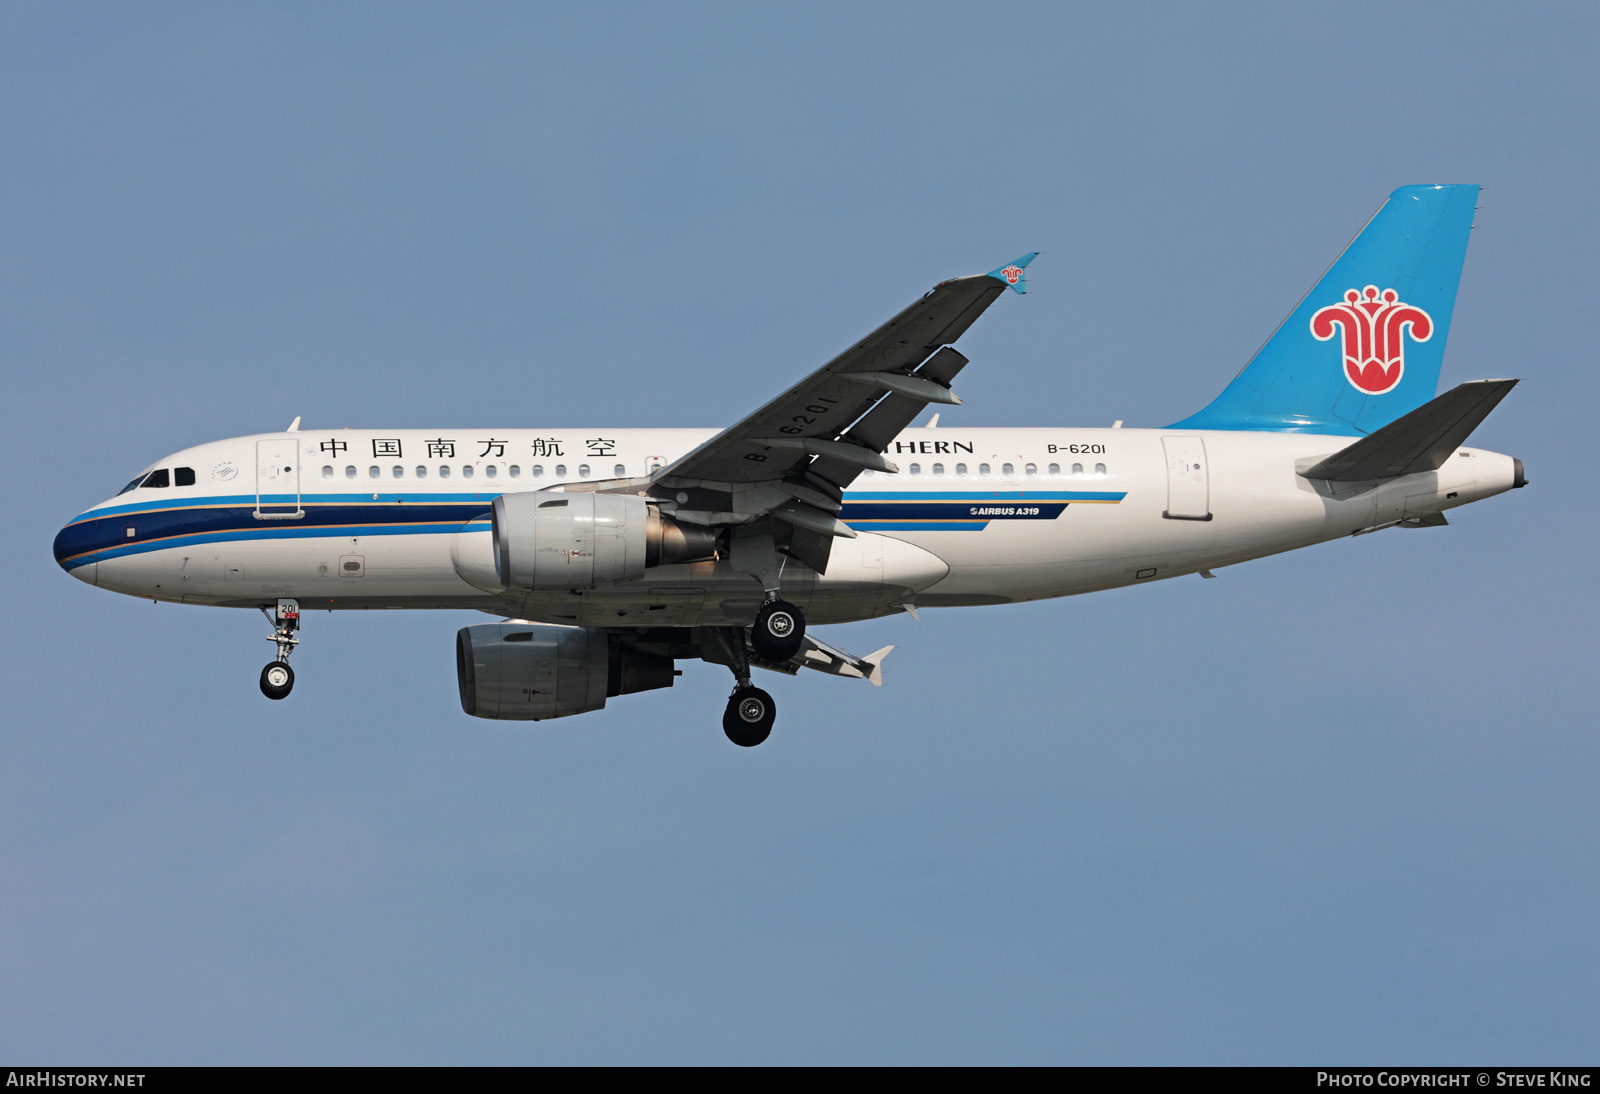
{"points": [[400, 519]]}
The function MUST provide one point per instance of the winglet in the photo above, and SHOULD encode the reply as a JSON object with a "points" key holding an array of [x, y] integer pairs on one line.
{"points": [[1012, 274]]}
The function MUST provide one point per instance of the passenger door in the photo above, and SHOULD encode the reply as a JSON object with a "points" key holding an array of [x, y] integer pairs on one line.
{"points": [[1188, 479]]}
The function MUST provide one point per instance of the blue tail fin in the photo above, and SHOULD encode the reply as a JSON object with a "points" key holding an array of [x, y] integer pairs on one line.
{"points": [[1366, 344]]}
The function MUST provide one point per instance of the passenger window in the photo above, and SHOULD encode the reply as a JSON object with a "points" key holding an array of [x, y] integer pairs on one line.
{"points": [[373, 471], [620, 471], [399, 472], [1007, 470], [561, 470], [516, 471], [983, 470], [868, 473], [1077, 470], [961, 470], [538, 470], [183, 476], [444, 471], [422, 472], [1055, 469], [491, 471], [938, 469], [916, 469], [156, 479], [350, 471], [1100, 469], [466, 472], [583, 471], [1031, 470], [327, 471]]}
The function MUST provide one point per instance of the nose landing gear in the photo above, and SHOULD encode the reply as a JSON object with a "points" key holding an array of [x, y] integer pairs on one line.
{"points": [[277, 679]]}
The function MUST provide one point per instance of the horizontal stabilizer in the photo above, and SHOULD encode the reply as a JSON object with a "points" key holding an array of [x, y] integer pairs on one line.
{"points": [[1419, 441]]}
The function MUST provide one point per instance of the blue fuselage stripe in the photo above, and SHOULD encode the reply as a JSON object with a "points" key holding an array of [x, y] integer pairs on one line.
{"points": [[136, 528], [95, 537]]}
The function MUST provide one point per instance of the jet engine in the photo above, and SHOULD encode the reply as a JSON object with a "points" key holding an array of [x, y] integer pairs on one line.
{"points": [[545, 539], [533, 671]]}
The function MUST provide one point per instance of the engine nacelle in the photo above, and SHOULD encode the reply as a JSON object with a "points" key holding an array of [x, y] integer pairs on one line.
{"points": [[546, 539], [533, 671]]}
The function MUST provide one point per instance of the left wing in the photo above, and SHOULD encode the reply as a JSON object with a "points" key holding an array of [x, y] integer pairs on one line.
{"points": [[792, 458]]}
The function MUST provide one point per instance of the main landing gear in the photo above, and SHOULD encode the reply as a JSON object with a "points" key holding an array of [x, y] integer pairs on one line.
{"points": [[277, 679], [776, 635], [779, 629], [748, 719], [779, 626]]}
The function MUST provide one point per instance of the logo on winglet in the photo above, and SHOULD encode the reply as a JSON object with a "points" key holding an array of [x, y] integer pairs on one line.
{"points": [[1374, 325], [1012, 274]]}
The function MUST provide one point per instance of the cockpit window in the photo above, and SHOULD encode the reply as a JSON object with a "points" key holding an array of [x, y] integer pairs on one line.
{"points": [[137, 480], [183, 476], [156, 479]]}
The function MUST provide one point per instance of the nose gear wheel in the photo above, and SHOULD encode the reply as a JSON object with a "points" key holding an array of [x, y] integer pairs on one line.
{"points": [[277, 680]]}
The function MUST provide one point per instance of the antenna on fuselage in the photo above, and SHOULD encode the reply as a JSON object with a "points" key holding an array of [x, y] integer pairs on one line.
{"points": [[294, 426]]}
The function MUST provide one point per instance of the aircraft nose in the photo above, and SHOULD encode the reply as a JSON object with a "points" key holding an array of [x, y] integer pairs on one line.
{"points": [[68, 544]]}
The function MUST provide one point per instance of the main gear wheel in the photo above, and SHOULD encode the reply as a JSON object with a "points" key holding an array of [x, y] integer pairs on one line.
{"points": [[779, 629], [749, 717]]}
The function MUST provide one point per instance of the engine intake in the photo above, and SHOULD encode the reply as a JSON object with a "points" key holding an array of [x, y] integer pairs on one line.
{"points": [[546, 539], [533, 671]]}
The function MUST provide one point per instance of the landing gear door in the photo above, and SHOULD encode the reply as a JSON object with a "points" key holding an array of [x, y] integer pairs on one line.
{"points": [[278, 479], [1188, 479]]}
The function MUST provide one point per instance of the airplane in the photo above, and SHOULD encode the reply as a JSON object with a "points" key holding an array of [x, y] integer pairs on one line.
{"points": [[611, 554]]}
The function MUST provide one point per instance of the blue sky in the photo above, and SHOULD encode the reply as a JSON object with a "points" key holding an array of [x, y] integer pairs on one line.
{"points": [[1334, 807]]}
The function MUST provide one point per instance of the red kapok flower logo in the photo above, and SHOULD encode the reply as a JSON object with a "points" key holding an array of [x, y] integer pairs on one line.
{"points": [[1374, 336]]}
